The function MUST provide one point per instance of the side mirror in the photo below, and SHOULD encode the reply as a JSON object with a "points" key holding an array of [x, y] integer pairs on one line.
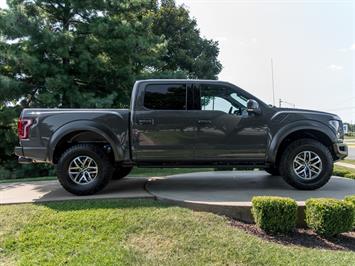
{"points": [[253, 107]]}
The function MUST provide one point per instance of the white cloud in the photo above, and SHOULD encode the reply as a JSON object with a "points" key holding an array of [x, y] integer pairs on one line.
{"points": [[351, 48], [335, 67]]}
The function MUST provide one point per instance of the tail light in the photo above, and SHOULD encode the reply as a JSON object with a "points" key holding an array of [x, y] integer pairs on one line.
{"points": [[23, 128]]}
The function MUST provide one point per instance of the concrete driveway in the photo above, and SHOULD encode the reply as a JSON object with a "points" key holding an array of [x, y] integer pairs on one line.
{"points": [[42, 191], [238, 187]]}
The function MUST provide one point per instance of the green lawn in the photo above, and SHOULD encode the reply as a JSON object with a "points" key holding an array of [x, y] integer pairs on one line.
{"points": [[138, 232], [345, 171], [348, 161]]}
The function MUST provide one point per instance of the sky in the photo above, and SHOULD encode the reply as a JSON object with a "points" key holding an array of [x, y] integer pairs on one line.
{"points": [[311, 43]]}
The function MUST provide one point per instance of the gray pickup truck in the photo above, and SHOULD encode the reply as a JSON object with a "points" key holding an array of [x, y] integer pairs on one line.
{"points": [[182, 123]]}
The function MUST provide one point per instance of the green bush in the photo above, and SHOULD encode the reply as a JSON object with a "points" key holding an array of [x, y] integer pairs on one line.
{"points": [[351, 200], [329, 217], [274, 214]]}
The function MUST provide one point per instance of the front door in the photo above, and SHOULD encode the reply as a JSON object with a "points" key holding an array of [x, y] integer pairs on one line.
{"points": [[226, 132], [162, 129]]}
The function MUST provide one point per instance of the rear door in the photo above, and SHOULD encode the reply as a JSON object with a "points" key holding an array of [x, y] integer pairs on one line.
{"points": [[162, 129]]}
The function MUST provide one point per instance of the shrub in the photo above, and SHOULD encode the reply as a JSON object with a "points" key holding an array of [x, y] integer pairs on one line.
{"points": [[274, 214], [351, 200], [329, 217]]}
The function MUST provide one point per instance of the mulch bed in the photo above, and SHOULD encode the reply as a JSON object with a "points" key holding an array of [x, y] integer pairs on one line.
{"points": [[302, 237]]}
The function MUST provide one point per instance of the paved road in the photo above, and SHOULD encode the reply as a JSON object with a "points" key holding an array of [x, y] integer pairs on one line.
{"points": [[351, 155], [41, 191], [237, 188]]}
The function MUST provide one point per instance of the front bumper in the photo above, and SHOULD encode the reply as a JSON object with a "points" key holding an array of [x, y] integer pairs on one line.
{"points": [[341, 150]]}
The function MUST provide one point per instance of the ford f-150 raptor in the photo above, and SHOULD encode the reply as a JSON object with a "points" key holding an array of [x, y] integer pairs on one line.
{"points": [[182, 123]]}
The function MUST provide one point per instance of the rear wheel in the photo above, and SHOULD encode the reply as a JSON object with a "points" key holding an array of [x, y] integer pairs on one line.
{"points": [[84, 169], [306, 164], [121, 172]]}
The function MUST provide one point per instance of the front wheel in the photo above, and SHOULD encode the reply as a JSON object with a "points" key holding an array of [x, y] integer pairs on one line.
{"points": [[84, 169], [306, 164]]}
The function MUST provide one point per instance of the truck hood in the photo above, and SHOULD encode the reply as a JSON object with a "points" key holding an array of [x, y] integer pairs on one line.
{"points": [[306, 112]]}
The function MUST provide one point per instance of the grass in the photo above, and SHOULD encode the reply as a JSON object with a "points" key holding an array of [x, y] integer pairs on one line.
{"points": [[344, 171], [138, 232], [27, 179], [348, 161], [136, 172]]}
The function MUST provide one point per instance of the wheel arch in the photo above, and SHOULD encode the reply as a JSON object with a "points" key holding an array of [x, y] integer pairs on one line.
{"points": [[81, 131], [317, 131]]}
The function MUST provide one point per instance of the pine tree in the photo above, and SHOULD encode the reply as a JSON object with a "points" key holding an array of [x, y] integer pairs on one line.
{"points": [[80, 53]]}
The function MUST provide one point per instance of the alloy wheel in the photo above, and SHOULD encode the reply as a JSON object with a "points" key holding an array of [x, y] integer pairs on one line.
{"points": [[83, 170], [307, 165]]}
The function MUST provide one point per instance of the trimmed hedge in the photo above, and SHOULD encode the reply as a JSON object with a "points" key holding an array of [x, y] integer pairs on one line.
{"points": [[329, 217], [274, 214], [351, 200]]}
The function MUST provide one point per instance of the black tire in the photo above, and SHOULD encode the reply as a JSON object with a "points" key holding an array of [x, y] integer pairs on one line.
{"points": [[287, 169], [121, 172], [272, 171], [104, 169]]}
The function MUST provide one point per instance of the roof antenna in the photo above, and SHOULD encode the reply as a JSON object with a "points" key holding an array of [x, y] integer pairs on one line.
{"points": [[273, 82]]}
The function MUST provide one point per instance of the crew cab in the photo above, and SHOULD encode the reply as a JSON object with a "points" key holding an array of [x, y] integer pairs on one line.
{"points": [[182, 123]]}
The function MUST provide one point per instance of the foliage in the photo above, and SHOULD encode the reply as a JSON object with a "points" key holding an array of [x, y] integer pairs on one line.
{"points": [[79, 53], [329, 217], [351, 200], [274, 214], [139, 232]]}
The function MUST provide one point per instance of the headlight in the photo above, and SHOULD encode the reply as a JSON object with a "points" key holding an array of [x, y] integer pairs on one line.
{"points": [[335, 124]]}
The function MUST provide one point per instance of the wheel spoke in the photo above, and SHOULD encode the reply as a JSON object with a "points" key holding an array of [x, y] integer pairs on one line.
{"points": [[82, 170], [307, 165]]}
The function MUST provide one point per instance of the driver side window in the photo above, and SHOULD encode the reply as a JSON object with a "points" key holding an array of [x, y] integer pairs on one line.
{"points": [[221, 98], [215, 103]]}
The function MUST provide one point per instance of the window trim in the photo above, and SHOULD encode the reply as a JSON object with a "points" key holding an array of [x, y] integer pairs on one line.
{"points": [[166, 84]]}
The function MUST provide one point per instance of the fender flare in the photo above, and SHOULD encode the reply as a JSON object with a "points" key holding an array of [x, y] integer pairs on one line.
{"points": [[281, 135], [85, 125]]}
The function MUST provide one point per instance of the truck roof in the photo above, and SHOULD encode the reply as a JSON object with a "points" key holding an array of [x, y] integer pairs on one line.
{"points": [[184, 80]]}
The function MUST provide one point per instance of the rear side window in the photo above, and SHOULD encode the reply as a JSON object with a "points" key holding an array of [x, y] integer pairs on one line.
{"points": [[165, 97]]}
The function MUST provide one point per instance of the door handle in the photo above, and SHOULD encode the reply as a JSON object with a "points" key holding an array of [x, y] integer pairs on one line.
{"points": [[204, 121], [146, 122]]}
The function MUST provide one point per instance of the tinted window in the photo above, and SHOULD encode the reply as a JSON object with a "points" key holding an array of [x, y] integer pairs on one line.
{"points": [[165, 97], [221, 98]]}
